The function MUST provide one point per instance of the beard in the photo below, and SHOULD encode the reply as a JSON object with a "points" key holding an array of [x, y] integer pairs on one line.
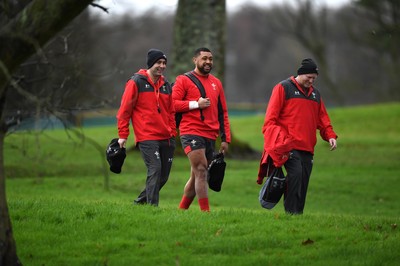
{"points": [[205, 69]]}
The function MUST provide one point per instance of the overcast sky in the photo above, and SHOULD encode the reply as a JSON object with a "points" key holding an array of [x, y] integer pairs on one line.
{"points": [[118, 7]]}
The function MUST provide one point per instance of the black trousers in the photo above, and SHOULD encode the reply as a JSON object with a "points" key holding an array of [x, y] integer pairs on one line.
{"points": [[298, 168], [158, 156]]}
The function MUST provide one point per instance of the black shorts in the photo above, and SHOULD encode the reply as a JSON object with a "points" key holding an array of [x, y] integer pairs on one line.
{"points": [[194, 142]]}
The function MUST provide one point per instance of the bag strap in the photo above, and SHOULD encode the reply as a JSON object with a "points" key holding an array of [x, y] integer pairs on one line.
{"points": [[198, 84]]}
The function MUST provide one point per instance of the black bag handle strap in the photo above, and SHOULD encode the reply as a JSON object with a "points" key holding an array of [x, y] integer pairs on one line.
{"points": [[198, 84]]}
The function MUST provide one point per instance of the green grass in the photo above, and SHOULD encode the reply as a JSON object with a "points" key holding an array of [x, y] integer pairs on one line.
{"points": [[63, 215]]}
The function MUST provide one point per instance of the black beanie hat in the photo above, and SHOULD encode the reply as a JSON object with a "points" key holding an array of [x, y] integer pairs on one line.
{"points": [[308, 66], [153, 55]]}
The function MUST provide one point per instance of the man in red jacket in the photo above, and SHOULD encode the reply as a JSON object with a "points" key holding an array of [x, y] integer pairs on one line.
{"points": [[147, 101], [203, 120], [295, 112]]}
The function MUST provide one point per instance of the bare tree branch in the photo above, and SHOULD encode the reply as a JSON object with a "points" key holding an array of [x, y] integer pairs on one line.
{"points": [[99, 6]]}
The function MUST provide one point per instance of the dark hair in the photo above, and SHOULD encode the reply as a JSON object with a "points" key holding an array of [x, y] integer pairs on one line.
{"points": [[201, 49]]}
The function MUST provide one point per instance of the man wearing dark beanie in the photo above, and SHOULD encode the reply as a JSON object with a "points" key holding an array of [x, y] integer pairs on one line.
{"points": [[295, 112], [308, 66], [153, 55], [147, 102]]}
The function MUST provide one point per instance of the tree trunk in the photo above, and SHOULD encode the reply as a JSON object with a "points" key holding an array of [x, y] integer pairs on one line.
{"points": [[24, 35], [8, 250], [199, 23]]}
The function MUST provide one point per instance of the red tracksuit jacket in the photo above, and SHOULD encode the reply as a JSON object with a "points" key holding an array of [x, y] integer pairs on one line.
{"points": [[291, 121], [150, 109], [216, 121]]}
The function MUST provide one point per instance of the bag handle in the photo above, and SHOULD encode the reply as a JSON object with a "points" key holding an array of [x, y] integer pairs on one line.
{"points": [[198, 84]]}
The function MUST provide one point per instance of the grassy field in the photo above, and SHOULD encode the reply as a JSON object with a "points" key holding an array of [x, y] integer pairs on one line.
{"points": [[63, 215]]}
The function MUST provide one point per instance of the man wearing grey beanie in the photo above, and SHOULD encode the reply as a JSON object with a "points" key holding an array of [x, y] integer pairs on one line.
{"points": [[295, 112]]}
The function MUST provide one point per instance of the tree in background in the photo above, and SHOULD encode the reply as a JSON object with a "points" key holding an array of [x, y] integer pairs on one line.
{"points": [[199, 23], [381, 34], [310, 27], [28, 25], [384, 33], [60, 81]]}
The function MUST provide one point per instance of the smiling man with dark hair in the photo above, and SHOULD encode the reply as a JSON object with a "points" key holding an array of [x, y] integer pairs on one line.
{"points": [[204, 118]]}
